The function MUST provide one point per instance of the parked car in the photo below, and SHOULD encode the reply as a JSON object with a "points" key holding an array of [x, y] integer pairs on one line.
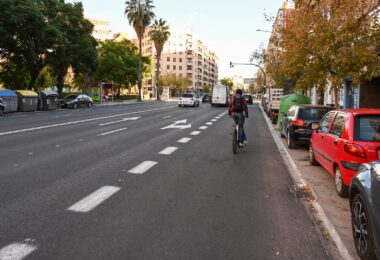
{"points": [[76, 101], [365, 208], [206, 98], [343, 140], [188, 99], [248, 98], [296, 124], [2, 106]]}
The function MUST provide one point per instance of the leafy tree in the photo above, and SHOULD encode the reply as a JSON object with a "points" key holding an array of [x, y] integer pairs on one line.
{"points": [[76, 47], [159, 35], [119, 62], [327, 41], [227, 82], [140, 15]]}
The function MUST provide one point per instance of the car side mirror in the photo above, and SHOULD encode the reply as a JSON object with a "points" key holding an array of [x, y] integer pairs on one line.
{"points": [[316, 126]]}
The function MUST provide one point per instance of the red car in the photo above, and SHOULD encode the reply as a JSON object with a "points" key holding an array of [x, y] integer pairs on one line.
{"points": [[343, 140]]}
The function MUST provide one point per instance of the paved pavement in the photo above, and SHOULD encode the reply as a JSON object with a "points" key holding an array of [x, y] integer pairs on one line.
{"points": [[110, 183]]}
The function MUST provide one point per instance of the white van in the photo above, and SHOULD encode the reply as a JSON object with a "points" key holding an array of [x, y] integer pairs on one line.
{"points": [[219, 96]]}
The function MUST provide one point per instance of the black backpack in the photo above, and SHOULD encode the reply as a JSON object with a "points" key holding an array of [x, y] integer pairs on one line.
{"points": [[238, 105]]}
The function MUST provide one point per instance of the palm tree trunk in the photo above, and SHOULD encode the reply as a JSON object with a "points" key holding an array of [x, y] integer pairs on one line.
{"points": [[158, 76], [139, 85]]}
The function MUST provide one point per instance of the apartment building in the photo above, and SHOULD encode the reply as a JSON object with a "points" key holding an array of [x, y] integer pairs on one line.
{"points": [[185, 55], [102, 29]]}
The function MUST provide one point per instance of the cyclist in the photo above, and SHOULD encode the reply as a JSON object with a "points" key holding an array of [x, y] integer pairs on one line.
{"points": [[236, 109]]}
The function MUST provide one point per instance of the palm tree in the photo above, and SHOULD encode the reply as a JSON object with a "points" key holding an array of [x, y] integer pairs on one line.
{"points": [[159, 35], [140, 15]]}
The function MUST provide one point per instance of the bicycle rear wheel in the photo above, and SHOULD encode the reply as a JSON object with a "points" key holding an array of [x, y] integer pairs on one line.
{"points": [[234, 141]]}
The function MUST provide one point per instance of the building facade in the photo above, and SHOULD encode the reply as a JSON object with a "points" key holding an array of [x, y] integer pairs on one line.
{"points": [[187, 56], [102, 29]]}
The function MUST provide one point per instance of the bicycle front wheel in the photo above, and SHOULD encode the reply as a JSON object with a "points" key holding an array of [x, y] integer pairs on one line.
{"points": [[235, 141]]}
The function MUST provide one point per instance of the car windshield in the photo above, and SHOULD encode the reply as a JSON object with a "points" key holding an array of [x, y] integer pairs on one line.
{"points": [[187, 95], [367, 128], [71, 97], [312, 113]]}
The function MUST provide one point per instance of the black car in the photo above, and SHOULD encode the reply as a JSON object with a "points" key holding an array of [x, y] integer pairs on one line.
{"points": [[296, 124], [2, 106], [365, 208], [77, 100], [248, 98], [206, 98]]}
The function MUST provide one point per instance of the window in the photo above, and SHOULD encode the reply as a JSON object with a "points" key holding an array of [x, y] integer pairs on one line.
{"points": [[168, 59], [312, 114], [326, 122], [337, 126], [174, 59], [168, 67], [174, 67], [180, 59], [180, 68], [367, 128]]}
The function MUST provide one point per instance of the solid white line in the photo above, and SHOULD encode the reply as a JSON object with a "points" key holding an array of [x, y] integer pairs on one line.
{"points": [[209, 123], [203, 127], [94, 199], [143, 167], [169, 150], [196, 133], [165, 117], [79, 121], [16, 251], [112, 132], [119, 121], [184, 140]]}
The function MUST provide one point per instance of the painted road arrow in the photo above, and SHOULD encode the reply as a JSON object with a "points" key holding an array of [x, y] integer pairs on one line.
{"points": [[178, 125], [119, 121]]}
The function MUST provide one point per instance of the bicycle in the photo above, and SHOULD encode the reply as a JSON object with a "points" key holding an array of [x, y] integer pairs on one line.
{"points": [[235, 137]]}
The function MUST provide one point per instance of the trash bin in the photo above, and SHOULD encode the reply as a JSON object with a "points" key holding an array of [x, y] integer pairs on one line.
{"points": [[10, 99], [48, 100], [27, 100]]}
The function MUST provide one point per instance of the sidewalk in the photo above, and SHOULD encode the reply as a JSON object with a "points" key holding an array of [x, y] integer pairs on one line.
{"points": [[336, 228]]}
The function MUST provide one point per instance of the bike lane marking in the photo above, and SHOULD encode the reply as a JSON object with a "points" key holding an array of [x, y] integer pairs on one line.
{"points": [[16, 251], [168, 150], [94, 199], [184, 140], [196, 133], [143, 167]]}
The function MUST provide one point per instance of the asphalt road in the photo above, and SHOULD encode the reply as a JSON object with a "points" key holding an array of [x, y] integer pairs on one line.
{"points": [[92, 184]]}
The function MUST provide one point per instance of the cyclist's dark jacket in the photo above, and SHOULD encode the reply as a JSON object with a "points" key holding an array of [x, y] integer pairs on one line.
{"points": [[231, 105]]}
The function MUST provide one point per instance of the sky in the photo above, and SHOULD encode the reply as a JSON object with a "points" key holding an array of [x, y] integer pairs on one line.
{"points": [[227, 27]]}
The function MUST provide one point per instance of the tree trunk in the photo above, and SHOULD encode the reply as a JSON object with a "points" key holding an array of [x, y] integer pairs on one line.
{"points": [[158, 76], [336, 101], [61, 73], [33, 79], [139, 85]]}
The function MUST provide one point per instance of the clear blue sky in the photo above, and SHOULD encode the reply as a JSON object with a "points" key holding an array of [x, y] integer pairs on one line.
{"points": [[228, 27]]}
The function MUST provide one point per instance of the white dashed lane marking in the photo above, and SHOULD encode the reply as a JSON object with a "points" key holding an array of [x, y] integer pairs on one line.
{"points": [[143, 167], [184, 140], [93, 200], [196, 133], [214, 120], [203, 127], [112, 132], [165, 117], [209, 123], [169, 150], [16, 251]]}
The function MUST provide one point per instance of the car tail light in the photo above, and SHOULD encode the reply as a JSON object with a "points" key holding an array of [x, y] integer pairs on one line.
{"points": [[298, 122], [275, 114], [355, 150]]}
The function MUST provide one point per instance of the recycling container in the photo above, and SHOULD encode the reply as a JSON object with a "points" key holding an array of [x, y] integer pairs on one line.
{"points": [[48, 100], [10, 99], [27, 100]]}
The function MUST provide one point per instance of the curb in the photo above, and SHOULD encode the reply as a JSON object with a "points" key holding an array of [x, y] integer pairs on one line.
{"points": [[318, 214]]}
